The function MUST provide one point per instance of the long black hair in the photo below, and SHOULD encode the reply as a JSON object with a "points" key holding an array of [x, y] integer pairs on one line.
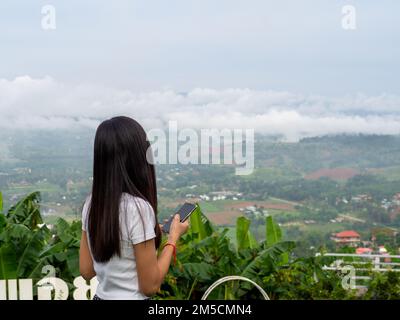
{"points": [[120, 166]]}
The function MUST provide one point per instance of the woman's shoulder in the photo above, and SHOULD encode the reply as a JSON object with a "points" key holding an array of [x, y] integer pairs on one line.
{"points": [[135, 207], [128, 201], [85, 211], [88, 198], [136, 202], [86, 203]]}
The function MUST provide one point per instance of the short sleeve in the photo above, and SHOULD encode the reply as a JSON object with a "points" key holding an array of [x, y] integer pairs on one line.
{"points": [[85, 210], [140, 220]]}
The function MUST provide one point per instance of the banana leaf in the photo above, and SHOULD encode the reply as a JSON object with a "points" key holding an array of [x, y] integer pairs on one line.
{"points": [[31, 252], [244, 238], [199, 225], [1, 203], [267, 259], [273, 232], [26, 211], [3, 223], [8, 262]]}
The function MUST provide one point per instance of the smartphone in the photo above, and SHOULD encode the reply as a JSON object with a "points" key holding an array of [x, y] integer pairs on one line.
{"points": [[184, 212]]}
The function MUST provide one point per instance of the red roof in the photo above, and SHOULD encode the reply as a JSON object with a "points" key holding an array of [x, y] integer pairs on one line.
{"points": [[363, 250], [347, 234]]}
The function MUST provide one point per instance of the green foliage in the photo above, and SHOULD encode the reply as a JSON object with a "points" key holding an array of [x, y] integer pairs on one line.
{"points": [[1, 203], [8, 262], [63, 251], [205, 254], [274, 235], [305, 280], [199, 224], [26, 211], [384, 286], [22, 238], [27, 245], [273, 232], [244, 238]]}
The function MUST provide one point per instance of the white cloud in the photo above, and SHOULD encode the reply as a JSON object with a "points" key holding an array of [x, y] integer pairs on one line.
{"points": [[44, 103]]}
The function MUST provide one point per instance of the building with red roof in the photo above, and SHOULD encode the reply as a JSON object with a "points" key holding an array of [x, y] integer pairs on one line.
{"points": [[348, 237], [364, 250]]}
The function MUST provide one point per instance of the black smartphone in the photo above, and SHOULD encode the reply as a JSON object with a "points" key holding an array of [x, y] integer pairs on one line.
{"points": [[184, 212]]}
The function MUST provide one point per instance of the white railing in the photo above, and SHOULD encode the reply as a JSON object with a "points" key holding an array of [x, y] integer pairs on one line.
{"points": [[374, 260], [377, 263]]}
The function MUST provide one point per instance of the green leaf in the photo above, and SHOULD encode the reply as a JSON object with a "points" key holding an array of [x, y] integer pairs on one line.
{"points": [[3, 223], [52, 249], [244, 238], [201, 270], [36, 272], [228, 294], [267, 259], [73, 262], [1, 203], [8, 262], [26, 211], [62, 225], [197, 225], [31, 252], [252, 240], [17, 232], [273, 232], [3, 220]]}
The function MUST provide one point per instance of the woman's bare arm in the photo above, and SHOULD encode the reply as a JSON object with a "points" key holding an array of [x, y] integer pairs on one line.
{"points": [[152, 269], [85, 259]]}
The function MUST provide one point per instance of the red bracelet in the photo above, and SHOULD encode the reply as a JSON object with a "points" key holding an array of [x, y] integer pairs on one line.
{"points": [[174, 252]]}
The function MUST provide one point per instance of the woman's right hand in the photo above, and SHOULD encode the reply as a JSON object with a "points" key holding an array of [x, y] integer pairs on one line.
{"points": [[177, 229]]}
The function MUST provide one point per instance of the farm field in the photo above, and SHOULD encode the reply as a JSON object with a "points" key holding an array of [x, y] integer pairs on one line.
{"points": [[27, 188], [225, 212], [332, 173], [390, 173], [309, 187]]}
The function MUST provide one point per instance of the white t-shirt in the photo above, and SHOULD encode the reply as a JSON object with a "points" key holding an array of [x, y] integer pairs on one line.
{"points": [[118, 278]]}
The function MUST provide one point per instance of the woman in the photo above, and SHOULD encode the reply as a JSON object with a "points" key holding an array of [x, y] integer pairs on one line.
{"points": [[120, 230]]}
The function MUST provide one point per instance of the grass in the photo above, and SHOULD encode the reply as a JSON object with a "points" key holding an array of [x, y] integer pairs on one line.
{"points": [[277, 200], [274, 212], [209, 207], [272, 174], [223, 207], [323, 228], [390, 173], [216, 206], [42, 187], [45, 189]]}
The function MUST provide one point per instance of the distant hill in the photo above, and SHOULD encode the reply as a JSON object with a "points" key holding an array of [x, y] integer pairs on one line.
{"points": [[350, 152], [333, 173]]}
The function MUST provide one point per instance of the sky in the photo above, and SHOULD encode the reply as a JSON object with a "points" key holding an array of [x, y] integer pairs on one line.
{"points": [[280, 67]]}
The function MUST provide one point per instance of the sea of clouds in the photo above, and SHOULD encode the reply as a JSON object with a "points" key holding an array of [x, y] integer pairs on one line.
{"points": [[45, 103]]}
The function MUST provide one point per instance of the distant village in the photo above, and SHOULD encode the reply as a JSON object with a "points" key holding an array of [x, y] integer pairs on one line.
{"points": [[386, 204], [349, 238], [353, 239]]}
